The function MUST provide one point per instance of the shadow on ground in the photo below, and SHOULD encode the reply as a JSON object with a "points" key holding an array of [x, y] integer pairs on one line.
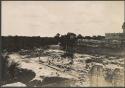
{"points": [[21, 75], [52, 82]]}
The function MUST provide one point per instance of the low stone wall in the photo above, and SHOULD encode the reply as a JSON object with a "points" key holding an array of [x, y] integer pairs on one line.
{"points": [[100, 50]]}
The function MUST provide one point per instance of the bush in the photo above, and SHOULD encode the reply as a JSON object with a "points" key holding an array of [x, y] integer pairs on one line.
{"points": [[12, 68], [8, 68]]}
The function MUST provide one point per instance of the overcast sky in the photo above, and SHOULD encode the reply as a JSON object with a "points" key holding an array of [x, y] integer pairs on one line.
{"points": [[46, 18]]}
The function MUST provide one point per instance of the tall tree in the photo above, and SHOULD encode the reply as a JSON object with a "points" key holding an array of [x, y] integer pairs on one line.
{"points": [[57, 37], [68, 42], [79, 36]]}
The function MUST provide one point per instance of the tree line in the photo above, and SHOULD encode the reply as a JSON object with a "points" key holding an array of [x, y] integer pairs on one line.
{"points": [[15, 43]]}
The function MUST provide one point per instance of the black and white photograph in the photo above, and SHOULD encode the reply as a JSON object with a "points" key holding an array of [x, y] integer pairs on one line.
{"points": [[62, 44]]}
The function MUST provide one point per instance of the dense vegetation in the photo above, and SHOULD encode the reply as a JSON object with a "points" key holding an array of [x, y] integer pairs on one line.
{"points": [[15, 43]]}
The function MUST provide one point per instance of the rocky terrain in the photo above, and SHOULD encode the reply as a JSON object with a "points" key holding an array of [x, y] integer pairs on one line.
{"points": [[48, 68]]}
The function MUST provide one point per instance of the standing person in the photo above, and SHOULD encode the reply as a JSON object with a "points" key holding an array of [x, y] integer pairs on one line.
{"points": [[39, 53], [39, 56]]}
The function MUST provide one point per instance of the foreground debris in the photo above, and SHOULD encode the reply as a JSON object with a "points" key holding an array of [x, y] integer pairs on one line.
{"points": [[53, 70]]}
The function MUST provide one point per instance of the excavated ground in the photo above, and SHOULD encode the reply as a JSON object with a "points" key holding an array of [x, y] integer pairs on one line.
{"points": [[50, 69]]}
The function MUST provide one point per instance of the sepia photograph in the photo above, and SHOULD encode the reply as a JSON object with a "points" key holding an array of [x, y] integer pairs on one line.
{"points": [[62, 44]]}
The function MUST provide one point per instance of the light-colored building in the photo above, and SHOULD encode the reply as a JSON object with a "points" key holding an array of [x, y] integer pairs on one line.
{"points": [[110, 39], [116, 36], [123, 27]]}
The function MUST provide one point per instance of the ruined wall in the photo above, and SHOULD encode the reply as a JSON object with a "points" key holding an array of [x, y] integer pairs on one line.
{"points": [[100, 77]]}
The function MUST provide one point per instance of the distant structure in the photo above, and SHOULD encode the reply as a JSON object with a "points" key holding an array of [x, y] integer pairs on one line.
{"points": [[123, 27], [111, 40], [116, 36]]}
